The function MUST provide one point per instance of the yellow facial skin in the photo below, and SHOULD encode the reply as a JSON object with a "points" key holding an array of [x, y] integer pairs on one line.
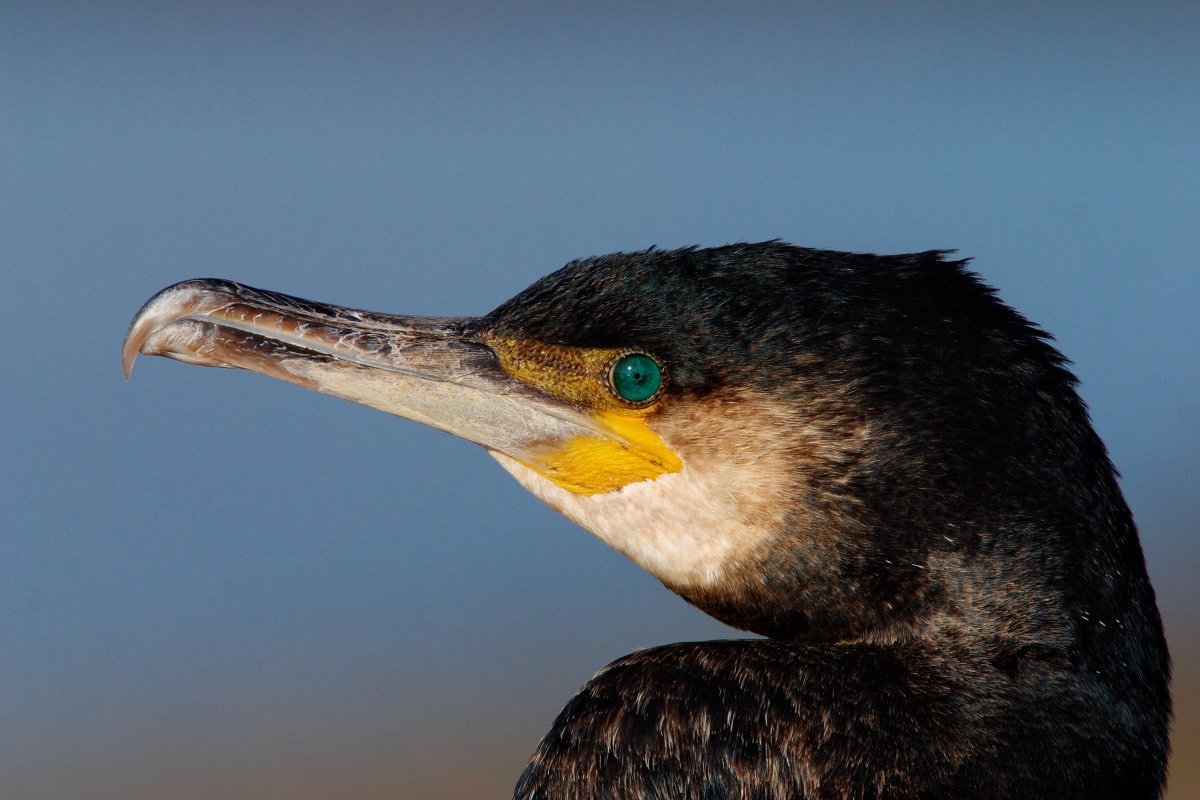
{"points": [[630, 452]]}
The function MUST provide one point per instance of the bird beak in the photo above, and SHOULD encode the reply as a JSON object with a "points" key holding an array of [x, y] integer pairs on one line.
{"points": [[430, 370]]}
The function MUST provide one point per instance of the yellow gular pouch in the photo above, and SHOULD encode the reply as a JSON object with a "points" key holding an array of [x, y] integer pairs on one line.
{"points": [[598, 464]]}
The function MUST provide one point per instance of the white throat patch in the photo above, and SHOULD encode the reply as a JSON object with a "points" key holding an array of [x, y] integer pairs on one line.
{"points": [[687, 528]]}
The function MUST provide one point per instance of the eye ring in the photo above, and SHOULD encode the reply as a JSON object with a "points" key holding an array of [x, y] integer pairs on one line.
{"points": [[636, 378]]}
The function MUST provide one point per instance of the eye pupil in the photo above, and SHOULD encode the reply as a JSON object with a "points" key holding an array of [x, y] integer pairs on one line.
{"points": [[636, 377]]}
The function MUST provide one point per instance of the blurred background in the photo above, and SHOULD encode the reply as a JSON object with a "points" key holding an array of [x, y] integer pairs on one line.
{"points": [[213, 585]]}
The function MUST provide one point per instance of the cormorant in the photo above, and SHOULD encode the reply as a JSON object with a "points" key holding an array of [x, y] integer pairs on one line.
{"points": [[869, 460]]}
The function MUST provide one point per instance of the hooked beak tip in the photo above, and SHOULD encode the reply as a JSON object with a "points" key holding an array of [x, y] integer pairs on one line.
{"points": [[169, 305], [129, 354]]}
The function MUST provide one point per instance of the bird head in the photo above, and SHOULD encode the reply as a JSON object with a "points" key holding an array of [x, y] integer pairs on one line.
{"points": [[804, 444]]}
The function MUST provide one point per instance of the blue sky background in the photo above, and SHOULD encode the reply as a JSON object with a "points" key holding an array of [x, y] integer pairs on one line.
{"points": [[216, 585]]}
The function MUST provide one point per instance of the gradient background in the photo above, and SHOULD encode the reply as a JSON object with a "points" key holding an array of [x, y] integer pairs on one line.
{"points": [[213, 585]]}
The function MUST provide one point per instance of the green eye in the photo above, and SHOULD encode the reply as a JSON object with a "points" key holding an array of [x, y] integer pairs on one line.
{"points": [[635, 377]]}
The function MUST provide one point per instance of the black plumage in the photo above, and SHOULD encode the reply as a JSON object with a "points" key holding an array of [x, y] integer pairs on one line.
{"points": [[979, 625]]}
